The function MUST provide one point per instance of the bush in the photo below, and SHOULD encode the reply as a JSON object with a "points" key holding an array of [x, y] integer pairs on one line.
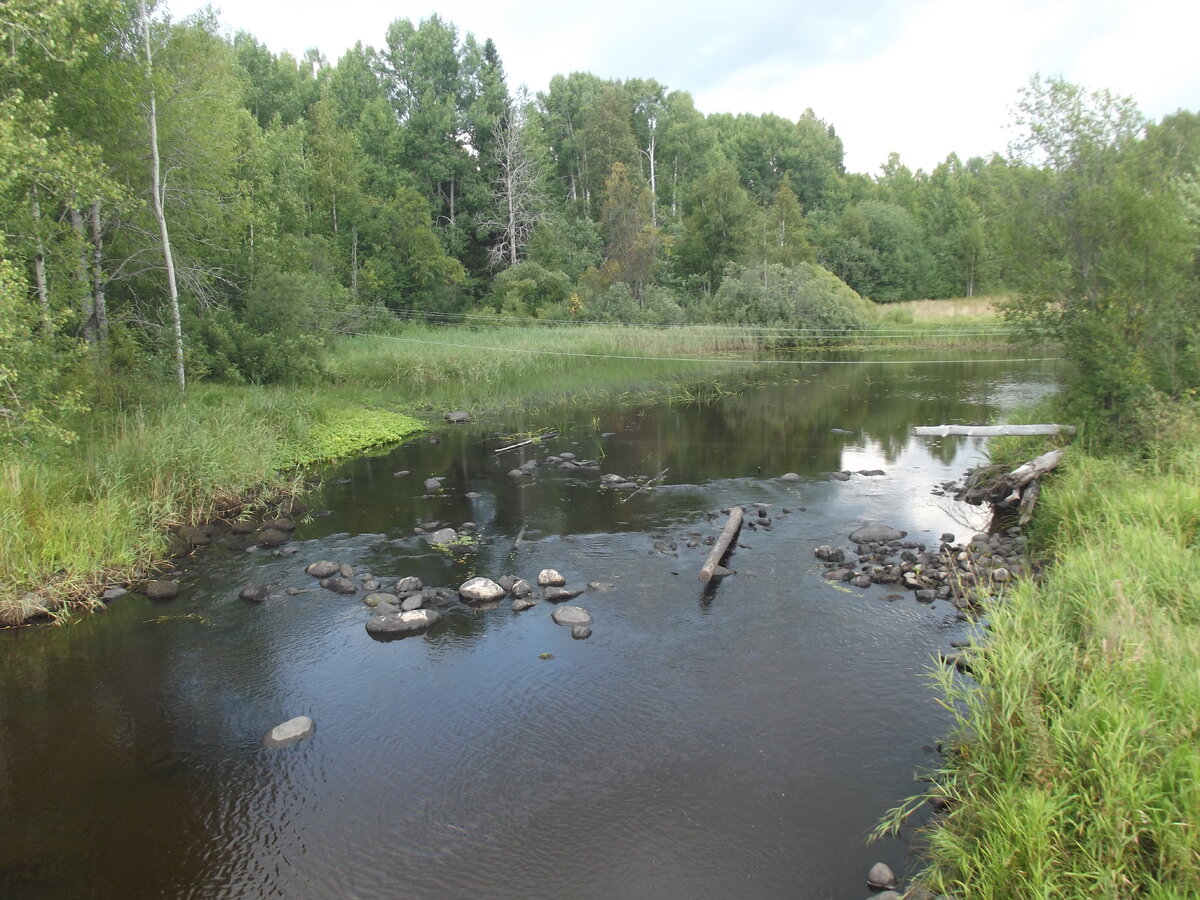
{"points": [[805, 296]]}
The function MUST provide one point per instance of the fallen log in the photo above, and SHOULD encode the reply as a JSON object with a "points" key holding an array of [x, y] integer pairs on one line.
{"points": [[991, 430], [721, 547]]}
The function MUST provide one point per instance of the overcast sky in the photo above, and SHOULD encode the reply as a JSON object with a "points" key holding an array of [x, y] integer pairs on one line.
{"points": [[923, 78]]}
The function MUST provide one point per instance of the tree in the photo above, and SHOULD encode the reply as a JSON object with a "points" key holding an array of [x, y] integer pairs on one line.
{"points": [[518, 188], [1101, 221], [720, 224], [631, 240]]}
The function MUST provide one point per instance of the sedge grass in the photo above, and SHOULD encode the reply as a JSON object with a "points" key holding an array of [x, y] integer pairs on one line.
{"points": [[1078, 768], [96, 511]]}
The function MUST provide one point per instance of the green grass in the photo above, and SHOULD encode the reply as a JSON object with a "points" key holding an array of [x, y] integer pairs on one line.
{"points": [[72, 519], [1078, 773]]}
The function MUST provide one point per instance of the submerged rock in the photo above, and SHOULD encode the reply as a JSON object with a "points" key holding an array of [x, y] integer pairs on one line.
{"points": [[580, 632], [339, 585], [559, 595], [290, 732], [255, 593], [876, 533]]}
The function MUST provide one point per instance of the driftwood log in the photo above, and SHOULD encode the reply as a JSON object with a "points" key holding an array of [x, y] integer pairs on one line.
{"points": [[1017, 489], [991, 430], [721, 547]]}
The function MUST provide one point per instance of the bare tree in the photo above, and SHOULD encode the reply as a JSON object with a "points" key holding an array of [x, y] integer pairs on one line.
{"points": [[157, 191], [519, 201]]}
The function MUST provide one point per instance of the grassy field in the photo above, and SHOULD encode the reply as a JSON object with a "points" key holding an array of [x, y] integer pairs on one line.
{"points": [[1075, 768], [958, 310]]}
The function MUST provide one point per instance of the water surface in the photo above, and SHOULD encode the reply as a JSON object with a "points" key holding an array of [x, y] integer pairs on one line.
{"points": [[739, 740]]}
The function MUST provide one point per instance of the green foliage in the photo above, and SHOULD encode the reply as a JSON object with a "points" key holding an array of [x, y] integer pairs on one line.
{"points": [[877, 248], [33, 401], [1109, 245], [526, 287], [1077, 769], [803, 296]]}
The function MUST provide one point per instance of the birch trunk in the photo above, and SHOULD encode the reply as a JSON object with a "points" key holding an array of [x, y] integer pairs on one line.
{"points": [[39, 262], [159, 214], [99, 303]]}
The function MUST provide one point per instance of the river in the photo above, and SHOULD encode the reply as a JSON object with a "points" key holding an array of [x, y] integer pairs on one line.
{"points": [[735, 740]]}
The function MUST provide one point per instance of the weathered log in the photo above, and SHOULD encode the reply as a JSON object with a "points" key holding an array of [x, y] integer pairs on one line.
{"points": [[1028, 500], [549, 435], [520, 537], [991, 430], [721, 547]]}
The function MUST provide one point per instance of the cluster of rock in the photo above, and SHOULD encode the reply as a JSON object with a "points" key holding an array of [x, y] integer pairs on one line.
{"points": [[406, 606], [963, 574], [881, 878]]}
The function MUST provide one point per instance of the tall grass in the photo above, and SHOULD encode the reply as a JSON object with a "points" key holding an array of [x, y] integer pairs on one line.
{"points": [[68, 520], [1077, 772]]}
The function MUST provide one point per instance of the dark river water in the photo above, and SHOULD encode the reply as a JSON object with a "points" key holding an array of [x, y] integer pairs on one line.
{"points": [[735, 741]]}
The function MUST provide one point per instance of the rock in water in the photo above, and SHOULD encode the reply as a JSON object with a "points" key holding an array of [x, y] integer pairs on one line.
{"points": [[559, 595], [161, 590], [442, 536], [876, 533], [290, 732], [255, 593], [571, 615], [580, 632], [481, 590], [322, 568], [551, 577], [401, 625], [880, 877]]}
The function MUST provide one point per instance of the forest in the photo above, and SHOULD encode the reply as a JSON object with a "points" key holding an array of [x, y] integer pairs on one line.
{"points": [[182, 204]]}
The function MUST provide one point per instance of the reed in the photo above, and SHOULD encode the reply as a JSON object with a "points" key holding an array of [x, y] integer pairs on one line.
{"points": [[1077, 772]]}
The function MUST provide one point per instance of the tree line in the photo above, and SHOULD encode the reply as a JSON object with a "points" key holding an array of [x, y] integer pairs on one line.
{"points": [[179, 201]]}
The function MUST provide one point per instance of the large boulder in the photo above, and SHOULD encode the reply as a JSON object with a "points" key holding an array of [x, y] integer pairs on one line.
{"points": [[481, 590], [290, 732], [876, 533], [400, 625]]}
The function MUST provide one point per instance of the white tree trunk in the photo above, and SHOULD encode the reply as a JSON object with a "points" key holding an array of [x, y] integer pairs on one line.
{"points": [[99, 303], [39, 262], [156, 190]]}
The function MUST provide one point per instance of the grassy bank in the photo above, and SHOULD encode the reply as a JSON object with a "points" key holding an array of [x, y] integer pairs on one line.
{"points": [[1077, 771], [76, 517]]}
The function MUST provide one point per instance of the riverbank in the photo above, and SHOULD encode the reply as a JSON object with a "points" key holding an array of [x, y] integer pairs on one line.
{"points": [[77, 517], [1073, 770]]}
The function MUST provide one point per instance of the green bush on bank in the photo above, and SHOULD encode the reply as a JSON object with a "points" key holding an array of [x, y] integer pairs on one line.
{"points": [[1077, 773]]}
